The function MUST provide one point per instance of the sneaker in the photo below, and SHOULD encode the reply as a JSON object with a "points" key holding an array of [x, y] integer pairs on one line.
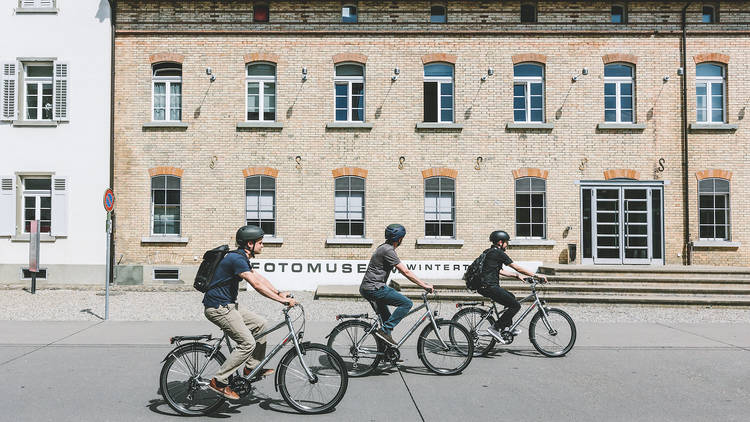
{"points": [[223, 389], [262, 374], [515, 332], [385, 337], [496, 334]]}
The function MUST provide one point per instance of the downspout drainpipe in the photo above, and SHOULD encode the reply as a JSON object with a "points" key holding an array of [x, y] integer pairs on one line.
{"points": [[687, 251], [112, 11]]}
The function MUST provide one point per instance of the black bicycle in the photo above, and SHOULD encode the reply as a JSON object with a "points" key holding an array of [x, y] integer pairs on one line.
{"points": [[552, 331], [311, 377]]}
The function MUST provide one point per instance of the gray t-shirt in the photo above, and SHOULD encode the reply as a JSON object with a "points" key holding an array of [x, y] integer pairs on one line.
{"points": [[382, 262]]}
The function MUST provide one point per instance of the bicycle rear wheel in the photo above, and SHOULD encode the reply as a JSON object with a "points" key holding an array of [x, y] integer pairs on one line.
{"points": [[553, 335], [182, 384], [320, 394], [360, 351], [473, 319], [449, 356]]}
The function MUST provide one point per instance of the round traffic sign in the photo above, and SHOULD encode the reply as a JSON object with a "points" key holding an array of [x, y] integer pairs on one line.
{"points": [[109, 200]]}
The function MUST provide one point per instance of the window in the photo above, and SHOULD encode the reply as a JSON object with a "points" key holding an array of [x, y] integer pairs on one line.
{"points": [[260, 13], [713, 207], [439, 207], [438, 93], [42, 197], [37, 203], [260, 194], [709, 14], [37, 4], [39, 89], [709, 93], [349, 14], [618, 14], [618, 93], [528, 13], [165, 205], [261, 92], [349, 206], [531, 207], [167, 80], [349, 84], [438, 14], [528, 93], [166, 274]]}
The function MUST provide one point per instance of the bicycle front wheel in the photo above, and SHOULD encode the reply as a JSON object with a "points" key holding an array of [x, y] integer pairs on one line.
{"points": [[182, 382], [358, 349], [327, 386], [477, 323], [553, 335], [447, 351]]}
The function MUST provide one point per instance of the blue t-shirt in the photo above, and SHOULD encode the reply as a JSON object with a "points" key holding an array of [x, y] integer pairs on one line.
{"points": [[230, 268]]}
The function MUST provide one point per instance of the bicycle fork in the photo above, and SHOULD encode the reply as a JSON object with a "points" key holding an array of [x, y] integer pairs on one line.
{"points": [[310, 376]]}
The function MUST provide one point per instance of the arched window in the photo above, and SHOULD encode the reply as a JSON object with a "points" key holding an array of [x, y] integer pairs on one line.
{"points": [[528, 92], [440, 207], [709, 93], [531, 207], [167, 89], [349, 206], [619, 95], [528, 12], [165, 205], [438, 14], [713, 208], [438, 93], [261, 92], [260, 200], [349, 14], [349, 85], [618, 14]]}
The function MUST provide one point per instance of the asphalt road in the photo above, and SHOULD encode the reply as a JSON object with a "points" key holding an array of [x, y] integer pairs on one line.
{"points": [[108, 371]]}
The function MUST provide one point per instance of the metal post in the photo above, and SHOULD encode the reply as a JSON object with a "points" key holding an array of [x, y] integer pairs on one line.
{"points": [[34, 253], [108, 266]]}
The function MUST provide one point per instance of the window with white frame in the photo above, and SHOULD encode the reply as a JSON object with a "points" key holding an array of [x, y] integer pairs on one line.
{"points": [[528, 13], [36, 4], [709, 14], [618, 93], [167, 87], [261, 92], [165, 205], [531, 208], [37, 202], [28, 197], [528, 92], [260, 210], [713, 200], [349, 13], [349, 83], [37, 80], [618, 14], [438, 14], [349, 206], [35, 90], [438, 93], [709, 93], [440, 207]]}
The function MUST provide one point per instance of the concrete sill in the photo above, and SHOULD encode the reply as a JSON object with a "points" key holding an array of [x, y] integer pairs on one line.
{"points": [[270, 240], [639, 127], [164, 239], [348, 241], [716, 244], [349, 125], [34, 123], [25, 238], [260, 125], [165, 125], [432, 241], [705, 127], [29, 10], [448, 127], [529, 126], [532, 242]]}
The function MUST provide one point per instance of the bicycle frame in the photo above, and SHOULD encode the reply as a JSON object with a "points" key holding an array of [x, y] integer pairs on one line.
{"points": [[537, 303]]}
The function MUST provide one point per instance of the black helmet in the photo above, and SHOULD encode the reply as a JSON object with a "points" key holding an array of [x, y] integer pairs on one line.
{"points": [[248, 234], [499, 235], [394, 232]]}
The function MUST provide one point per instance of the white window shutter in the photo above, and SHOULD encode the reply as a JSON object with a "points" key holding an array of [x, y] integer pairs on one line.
{"points": [[60, 189], [7, 205], [61, 92], [9, 91]]}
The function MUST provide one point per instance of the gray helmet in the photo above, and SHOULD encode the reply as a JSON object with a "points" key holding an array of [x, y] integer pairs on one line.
{"points": [[394, 232], [499, 235], [248, 234]]}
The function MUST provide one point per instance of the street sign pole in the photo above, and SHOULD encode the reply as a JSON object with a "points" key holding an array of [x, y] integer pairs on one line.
{"points": [[109, 205]]}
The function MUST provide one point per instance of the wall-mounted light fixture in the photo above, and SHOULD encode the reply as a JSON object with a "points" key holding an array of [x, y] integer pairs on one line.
{"points": [[304, 74], [680, 71], [666, 78], [584, 71], [396, 72], [209, 72], [490, 72]]}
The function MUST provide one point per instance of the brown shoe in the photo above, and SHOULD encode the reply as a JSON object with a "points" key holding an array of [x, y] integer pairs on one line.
{"points": [[262, 374], [225, 391]]}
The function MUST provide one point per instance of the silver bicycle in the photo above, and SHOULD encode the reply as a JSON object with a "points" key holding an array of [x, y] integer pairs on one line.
{"points": [[311, 377]]}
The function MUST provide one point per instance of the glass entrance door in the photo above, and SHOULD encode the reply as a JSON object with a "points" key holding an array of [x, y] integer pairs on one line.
{"points": [[636, 210], [608, 226]]}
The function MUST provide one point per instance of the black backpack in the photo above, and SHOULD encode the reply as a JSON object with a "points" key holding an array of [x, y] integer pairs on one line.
{"points": [[473, 274], [211, 260]]}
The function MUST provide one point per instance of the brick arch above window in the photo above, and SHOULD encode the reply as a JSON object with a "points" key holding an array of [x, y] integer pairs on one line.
{"points": [[261, 57], [349, 171], [530, 172], [165, 170], [622, 174], [439, 171], [529, 57], [620, 57], [439, 57], [266, 171], [166, 57], [711, 57], [714, 173], [349, 57]]}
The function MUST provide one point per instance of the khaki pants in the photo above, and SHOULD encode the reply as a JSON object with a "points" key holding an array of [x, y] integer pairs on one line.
{"points": [[240, 325]]}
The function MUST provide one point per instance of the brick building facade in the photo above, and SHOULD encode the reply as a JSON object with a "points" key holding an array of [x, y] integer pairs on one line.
{"points": [[452, 118]]}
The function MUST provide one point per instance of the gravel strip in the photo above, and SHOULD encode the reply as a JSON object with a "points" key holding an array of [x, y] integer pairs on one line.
{"points": [[88, 305]]}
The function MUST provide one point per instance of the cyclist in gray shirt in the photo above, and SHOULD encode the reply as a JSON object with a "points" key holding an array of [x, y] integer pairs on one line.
{"points": [[374, 288]]}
